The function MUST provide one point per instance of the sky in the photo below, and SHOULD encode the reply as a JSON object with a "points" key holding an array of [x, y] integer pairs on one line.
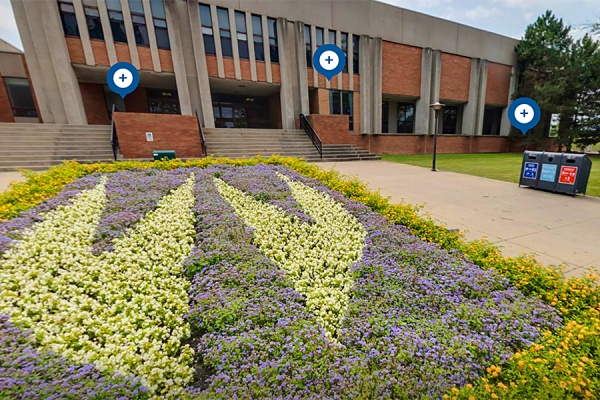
{"points": [[506, 17]]}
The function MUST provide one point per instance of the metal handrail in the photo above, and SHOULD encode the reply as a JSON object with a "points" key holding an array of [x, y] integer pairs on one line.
{"points": [[114, 140], [202, 139], [312, 134]]}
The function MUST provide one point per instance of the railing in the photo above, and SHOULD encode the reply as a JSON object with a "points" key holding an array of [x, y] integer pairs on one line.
{"points": [[114, 140], [202, 139], [312, 134]]}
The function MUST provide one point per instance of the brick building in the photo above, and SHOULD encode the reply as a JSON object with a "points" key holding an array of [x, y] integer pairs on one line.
{"points": [[248, 64]]}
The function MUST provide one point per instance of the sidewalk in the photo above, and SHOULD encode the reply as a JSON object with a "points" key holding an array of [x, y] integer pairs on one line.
{"points": [[559, 229], [7, 177]]}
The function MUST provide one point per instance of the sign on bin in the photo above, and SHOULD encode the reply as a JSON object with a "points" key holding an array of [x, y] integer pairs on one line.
{"points": [[548, 173], [531, 170], [567, 175]]}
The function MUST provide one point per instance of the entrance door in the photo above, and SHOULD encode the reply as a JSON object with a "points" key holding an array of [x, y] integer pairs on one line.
{"points": [[236, 111]]}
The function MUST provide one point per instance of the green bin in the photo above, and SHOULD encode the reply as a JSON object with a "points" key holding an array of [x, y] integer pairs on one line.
{"points": [[162, 154]]}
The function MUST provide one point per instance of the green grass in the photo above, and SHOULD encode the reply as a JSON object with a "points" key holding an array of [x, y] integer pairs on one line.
{"points": [[503, 167]]}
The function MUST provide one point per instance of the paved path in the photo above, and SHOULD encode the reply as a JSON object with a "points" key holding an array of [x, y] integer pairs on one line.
{"points": [[559, 229], [7, 177]]}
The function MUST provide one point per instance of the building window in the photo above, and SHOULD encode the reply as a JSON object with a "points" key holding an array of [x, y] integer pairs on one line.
{"points": [[225, 32], [273, 47], [345, 49], [19, 95], [320, 37], [242, 35], [332, 37], [140, 30], [160, 24], [341, 103], [355, 50], [257, 33], [406, 118], [92, 18], [491, 121], [207, 30], [67, 16], [308, 40], [117, 23], [162, 101], [385, 110], [450, 119]]}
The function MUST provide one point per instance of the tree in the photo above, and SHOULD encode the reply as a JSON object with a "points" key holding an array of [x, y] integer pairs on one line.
{"points": [[561, 75]]}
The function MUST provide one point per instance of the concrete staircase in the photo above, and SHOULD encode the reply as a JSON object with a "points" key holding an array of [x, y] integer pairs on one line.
{"points": [[237, 143], [39, 146]]}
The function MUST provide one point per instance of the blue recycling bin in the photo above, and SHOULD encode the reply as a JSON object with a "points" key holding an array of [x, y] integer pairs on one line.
{"points": [[549, 171], [530, 168]]}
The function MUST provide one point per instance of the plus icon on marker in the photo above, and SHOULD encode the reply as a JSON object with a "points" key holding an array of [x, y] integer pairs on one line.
{"points": [[122, 78], [523, 113], [329, 60]]}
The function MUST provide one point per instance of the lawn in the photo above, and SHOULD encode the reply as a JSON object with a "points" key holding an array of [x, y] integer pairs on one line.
{"points": [[270, 278], [503, 167]]}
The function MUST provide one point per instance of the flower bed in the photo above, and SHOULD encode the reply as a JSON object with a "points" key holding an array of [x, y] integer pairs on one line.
{"points": [[409, 320]]}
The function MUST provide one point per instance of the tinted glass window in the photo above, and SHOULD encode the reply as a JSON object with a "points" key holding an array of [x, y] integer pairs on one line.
{"points": [[92, 17], [20, 97], [69, 21], [158, 9], [205, 18], [162, 38], [136, 6], [223, 17], [335, 100], [450, 118], [406, 112]]}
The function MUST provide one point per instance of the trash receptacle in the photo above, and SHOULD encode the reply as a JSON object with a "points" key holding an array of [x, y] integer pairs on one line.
{"points": [[549, 171], [530, 168], [574, 173], [163, 154]]}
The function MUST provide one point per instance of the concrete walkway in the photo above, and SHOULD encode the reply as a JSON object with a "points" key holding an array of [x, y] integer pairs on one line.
{"points": [[558, 229], [7, 177]]}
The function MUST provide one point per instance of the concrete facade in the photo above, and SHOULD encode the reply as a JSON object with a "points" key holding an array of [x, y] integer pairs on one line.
{"points": [[404, 57]]}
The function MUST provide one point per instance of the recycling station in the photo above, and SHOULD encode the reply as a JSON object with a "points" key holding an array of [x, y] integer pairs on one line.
{"points": [[556, 172]]}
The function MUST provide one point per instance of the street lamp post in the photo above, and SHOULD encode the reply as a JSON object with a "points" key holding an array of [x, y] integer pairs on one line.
{"points": [[437, 106]]}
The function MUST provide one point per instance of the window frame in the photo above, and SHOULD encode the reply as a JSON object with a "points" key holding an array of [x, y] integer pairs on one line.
{"points": [[273, 40], [260, 43], [308, 45], [160, 28], [117, 24], [344, 50], [356, 54], [455, 118], [405, 106], [208, 31], [97, 22], [223, 32], [339, 95], [242, 36], [138, 20], [16, 110], [71, 14]]}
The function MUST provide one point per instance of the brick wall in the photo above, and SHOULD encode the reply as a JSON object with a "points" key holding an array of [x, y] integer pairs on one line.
{"points": [[100, 54], [145, 56], [401, 69], [245, 70], [498, 84], [228, 66], [92, 95], [122, 51], [455, 77], [333, 84], [423, 144], [332, 129], [276, 73], [519, 145], [137, 101], [6, 114], [211, 66], [75, 50], [171, 132], [166, 62]]}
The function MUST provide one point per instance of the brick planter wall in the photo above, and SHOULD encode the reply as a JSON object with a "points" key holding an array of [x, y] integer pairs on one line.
{"points": [[171, 132]]}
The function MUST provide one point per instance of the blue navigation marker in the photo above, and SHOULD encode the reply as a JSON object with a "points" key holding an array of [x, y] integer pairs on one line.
{"points": [[524, 114], [122, 78], [329, 60]]}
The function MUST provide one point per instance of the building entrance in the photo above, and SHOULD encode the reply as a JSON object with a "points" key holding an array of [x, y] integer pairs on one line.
{"points": [[241, 111]]}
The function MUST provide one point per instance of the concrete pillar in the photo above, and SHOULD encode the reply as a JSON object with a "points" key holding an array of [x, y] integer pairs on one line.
{"points": [[234, 44], [302, 80], [152, 36], [313, 48], [131, 43], [504, 121], [483, 69], [84, 34], [436, 69], [377, 95], [205, 109], [286, 93], [251, 52], [470, 109], [59, 98], [366, 85], [108, 37], [422, 104], [179, 33]]}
